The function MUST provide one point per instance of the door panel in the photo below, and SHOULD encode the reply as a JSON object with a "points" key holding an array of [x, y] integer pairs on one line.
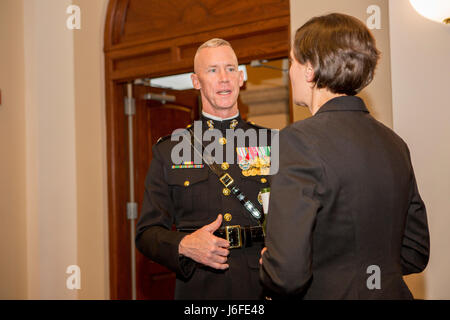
{"points": [[153, 120]]}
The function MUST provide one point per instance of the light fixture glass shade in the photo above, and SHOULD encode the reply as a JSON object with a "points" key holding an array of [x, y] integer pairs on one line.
{"points": [[436, 10]]}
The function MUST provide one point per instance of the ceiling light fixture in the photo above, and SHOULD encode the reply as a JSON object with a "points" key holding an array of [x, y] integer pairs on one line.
{"points": [[436, 10]]}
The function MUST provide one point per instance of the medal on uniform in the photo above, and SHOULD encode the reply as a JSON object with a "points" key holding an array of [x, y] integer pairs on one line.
{"points": [[243, 160], [244, 165], [254, 161]]}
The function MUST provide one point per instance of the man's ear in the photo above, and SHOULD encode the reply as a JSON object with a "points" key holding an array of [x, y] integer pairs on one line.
{"points": [[241, 78], [195, 81]]}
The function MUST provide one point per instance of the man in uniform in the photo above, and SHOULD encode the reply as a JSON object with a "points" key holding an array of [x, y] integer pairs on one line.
{"points": [[216, 245]]}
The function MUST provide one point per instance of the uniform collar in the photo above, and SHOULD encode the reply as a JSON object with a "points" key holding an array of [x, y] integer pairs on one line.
{"points": [[344, 103], [210, 121], [216, 118]]}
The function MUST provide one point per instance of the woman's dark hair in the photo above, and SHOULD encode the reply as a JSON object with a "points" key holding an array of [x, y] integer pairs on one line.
{"points": [[341, 50]]}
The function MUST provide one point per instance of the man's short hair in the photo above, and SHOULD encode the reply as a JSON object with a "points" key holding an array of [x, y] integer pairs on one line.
{"points": [[341, 50], [214, 43]]}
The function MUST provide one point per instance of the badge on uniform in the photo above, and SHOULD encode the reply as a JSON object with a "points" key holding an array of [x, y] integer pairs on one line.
{"points": [[188, 165], [254, 161]]}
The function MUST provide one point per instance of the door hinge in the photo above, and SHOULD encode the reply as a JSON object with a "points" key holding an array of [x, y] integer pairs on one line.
{"points": [[130, 106], [132, 212]]}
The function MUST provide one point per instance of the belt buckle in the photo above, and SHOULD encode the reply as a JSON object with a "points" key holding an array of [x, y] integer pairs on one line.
{"points": [[233, 234], [226, 180]]}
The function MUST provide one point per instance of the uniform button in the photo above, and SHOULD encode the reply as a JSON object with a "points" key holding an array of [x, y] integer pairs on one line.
{"points": [[222, 141], [227, 217], [263, 180], [226, 191], [225, 166], [186, 183]]}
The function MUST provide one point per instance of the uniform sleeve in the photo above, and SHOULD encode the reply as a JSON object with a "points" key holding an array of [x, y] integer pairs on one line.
{"points": [[416, 239], [294, 203], [154, 237]]}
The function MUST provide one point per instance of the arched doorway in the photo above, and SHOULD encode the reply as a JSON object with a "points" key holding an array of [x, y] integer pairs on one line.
{"points": [[154, 38]]}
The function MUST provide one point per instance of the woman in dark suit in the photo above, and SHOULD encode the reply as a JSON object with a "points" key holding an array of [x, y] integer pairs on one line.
{"points": [[345, 220]]}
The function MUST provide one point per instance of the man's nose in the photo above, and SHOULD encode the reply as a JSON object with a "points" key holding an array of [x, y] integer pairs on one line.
{"points": [[223, 76]]}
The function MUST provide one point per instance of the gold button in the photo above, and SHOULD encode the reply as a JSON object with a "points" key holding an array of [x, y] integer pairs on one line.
{"points": [[226, 191], [222, 141], [225, 166], [227, 217], [263, 180], [188, 126], [186, 183]]}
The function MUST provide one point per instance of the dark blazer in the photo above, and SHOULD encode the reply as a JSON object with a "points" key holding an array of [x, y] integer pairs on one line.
{"points": [[344, 202], [168, 201]]}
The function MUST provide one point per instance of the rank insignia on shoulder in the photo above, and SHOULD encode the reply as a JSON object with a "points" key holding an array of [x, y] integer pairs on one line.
{"points": [[188, 165], [254, 161], [161, 139], [256, 125]]}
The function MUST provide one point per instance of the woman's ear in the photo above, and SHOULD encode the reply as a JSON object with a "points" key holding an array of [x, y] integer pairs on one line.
{"points": [[309, 72]]}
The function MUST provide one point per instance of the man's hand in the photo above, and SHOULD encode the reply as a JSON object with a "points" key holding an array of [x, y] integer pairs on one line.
{"points": [[204, 247], [262, 252]]}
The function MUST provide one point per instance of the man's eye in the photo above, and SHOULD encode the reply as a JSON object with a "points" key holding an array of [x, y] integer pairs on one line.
{"points": [[231, 69], [212, 70]]}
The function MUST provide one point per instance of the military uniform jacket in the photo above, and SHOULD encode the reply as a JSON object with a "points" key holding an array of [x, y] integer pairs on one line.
{"points": [[191, 197], [345, 220]]}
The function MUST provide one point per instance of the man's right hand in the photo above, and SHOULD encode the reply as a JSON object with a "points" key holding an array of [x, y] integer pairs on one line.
{"points": [[205, 248]]}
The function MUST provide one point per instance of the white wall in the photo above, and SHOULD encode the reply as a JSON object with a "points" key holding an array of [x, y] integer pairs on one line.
{"points": [[377, 95], [66, 150], [420, 53], [53, 188], [50, 149], [416, 58], [92, 218]]}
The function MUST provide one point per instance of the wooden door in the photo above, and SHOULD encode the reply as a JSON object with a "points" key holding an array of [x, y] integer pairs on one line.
{"points": [[154, 119]]}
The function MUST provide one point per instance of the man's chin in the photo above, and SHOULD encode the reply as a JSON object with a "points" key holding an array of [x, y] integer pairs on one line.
{"points": [[222, 111], [226, 107]]}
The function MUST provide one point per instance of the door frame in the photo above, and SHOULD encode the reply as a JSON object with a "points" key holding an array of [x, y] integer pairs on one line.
{"points": [[268, 38]]}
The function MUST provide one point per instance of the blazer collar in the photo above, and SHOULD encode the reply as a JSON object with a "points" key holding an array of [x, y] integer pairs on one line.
{"points": [[344, 103]]}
